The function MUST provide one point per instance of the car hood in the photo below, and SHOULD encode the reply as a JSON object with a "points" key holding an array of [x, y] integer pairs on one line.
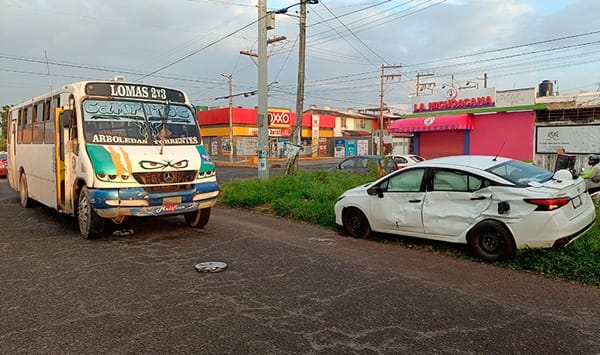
{"points": [[359, 190]]}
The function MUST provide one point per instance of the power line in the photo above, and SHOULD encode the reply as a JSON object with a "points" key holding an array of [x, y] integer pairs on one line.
{"points": [[196, 51], [353, 34]]}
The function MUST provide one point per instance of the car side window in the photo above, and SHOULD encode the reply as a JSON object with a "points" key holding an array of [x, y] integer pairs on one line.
{"points": [[400, 160], [406, 181], [362, 163], [452, 180], [347, 164]]}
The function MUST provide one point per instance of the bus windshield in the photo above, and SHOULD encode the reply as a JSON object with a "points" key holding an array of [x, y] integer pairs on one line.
{"points": [[136, 122]]}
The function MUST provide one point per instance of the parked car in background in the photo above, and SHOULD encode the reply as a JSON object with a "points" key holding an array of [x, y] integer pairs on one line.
{"points": [[495, 205], [363, 164], [3, 165], [404, 160]]}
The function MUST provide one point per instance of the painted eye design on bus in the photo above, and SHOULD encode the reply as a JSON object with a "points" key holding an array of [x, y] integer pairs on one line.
{"points": [[182, 164], [153, 165]]}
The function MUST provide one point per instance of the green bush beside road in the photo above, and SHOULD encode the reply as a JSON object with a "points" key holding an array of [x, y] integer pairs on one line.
{"points": [[309, 196]]}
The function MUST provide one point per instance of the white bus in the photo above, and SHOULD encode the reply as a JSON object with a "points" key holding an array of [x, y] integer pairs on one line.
{"points": [[106, 150]]}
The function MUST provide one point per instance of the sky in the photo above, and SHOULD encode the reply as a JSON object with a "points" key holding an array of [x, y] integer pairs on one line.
{"points": [[193, 45]]}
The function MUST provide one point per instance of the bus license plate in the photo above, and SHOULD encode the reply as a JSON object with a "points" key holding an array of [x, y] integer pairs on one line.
{"points": [[576, 201]]}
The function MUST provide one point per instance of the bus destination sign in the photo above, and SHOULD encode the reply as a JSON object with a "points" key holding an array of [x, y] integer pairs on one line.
{"points": [[134, 91]]}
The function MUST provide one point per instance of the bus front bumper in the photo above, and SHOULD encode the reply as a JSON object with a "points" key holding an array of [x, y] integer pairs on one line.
{"points": [[112, 203]]}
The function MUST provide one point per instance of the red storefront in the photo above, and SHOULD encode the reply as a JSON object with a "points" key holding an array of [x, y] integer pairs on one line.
{"points": [[471, 130]]}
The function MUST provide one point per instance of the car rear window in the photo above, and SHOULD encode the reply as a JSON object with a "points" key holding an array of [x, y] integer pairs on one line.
{"points": [[521, 173]]}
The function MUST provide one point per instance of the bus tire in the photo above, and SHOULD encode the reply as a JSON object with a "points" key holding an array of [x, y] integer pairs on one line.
{"points": [[90, 224], [24, 192], [197, 219]]}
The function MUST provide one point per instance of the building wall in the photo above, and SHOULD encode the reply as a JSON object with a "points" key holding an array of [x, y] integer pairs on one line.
{"points": [[508, 134]]}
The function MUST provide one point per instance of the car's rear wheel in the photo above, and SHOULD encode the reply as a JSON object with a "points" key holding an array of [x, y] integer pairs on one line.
{"points": [[90, 224], [197, 219], [24, 192], [356, 223], [490, 241]]}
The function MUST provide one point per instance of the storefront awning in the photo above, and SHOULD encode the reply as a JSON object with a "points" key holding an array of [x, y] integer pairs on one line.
{"points": [[429, 124], [354, 133]]}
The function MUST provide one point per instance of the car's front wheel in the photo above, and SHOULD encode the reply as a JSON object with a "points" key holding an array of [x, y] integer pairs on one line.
{"points": [[490, 241], [356, 223]]}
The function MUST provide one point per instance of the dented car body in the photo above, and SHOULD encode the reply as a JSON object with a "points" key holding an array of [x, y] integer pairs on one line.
{"points": [[494, 204]]}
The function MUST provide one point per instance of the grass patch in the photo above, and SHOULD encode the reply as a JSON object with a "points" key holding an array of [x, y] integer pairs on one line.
{"points": [[309, 196]]}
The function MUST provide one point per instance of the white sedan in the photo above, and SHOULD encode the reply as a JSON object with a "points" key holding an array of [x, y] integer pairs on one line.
{"points": [[494, 204], [404, 160]]}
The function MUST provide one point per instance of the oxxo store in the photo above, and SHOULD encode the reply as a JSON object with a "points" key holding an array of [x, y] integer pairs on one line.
{"points": [[472, 122], [217, 129]]}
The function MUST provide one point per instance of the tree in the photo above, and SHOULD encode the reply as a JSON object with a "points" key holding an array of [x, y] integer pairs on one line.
{"points": [[4, 127]]}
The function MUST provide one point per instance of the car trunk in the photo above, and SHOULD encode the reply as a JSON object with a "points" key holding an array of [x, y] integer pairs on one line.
{"points": [[573, 189]]}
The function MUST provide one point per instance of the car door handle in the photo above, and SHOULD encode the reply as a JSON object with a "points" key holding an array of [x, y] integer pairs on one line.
{"points": [[477, 198], [414, 201]]}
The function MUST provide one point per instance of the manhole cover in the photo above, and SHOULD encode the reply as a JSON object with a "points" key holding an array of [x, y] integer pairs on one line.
{"points": [[210, 266]]}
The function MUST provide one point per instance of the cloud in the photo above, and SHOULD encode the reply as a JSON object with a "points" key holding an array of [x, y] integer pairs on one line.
{"points": [[347, 42]]}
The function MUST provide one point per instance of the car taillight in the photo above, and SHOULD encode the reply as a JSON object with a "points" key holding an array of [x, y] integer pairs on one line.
{"points": [[548, 204]]}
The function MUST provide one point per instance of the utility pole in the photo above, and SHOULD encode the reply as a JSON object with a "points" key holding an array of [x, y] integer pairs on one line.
{"points": [[262, 119], [296, 138], [253, 55], [301, 64], [231, 145], [384, 76], [421, 87]]}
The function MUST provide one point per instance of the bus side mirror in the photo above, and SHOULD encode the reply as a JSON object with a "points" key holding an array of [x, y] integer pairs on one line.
{"points": [[66, 118]]}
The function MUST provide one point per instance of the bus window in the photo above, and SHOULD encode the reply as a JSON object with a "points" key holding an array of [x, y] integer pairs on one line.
{"points": [[38, 124], [27, 124], [47, 110], [20, 126], [48, 122]]}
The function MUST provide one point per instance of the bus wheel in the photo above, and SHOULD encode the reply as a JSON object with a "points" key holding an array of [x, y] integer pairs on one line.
{"points": [[198, 219], [23, 192], [90, 224]]}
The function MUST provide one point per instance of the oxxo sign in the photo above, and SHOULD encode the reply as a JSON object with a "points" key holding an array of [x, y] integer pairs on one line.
{"points": [[280, 118]]}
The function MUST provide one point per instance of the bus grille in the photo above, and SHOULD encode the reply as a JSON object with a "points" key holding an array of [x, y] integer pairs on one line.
{"points": [[166, 181]]}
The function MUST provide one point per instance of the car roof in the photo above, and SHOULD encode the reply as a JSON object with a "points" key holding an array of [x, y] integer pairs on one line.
{"points": [[481, 162], [372, 156]]}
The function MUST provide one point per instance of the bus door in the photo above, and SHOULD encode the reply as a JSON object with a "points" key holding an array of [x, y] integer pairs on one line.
{"points": [[66, 146], [12, 150]]}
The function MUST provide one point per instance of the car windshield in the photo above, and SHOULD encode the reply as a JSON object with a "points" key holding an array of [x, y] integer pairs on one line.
{"points": [[141, 123], [521, 173]]}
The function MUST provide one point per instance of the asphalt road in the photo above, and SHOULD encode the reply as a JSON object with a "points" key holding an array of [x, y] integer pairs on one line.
{"points": [[289, 288]]}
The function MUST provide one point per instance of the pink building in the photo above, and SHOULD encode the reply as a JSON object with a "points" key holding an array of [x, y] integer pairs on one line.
{"points": [[474, 122]]}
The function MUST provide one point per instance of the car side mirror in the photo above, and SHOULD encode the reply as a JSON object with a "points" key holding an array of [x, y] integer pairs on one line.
{"points": [[375, 191], [66, 118]]}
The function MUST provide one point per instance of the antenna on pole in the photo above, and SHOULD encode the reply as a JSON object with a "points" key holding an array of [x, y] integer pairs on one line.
{"points": [[48, 68]]}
